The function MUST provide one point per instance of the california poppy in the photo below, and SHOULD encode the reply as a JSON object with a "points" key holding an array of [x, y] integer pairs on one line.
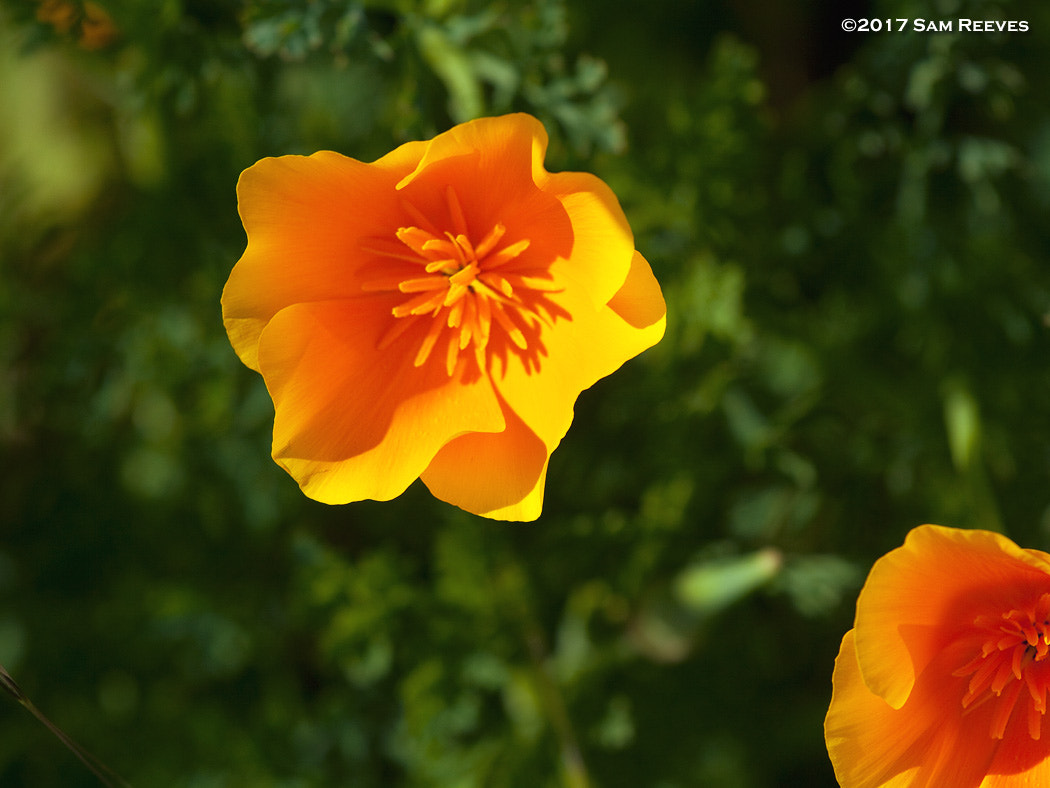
{"points": [[942, 681], [435, 313], [96, 29]]}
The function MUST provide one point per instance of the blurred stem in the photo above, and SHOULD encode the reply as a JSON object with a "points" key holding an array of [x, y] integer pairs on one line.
{"points": [[99, 769], [571, 757], [514, 587], [964, 428]]}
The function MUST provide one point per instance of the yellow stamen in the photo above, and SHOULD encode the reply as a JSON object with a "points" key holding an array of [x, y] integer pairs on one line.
{"points": [[507, 254], [1012, 659], [428, 343], [488, 243], [458, 289], [421, 284]]}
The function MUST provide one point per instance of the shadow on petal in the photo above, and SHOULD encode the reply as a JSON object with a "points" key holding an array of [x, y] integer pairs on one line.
{"points": [[497, 475], [353, 422]]}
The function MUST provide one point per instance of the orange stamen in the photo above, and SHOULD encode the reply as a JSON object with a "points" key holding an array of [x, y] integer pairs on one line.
{"points": [[1011, 661], [459, 293]]}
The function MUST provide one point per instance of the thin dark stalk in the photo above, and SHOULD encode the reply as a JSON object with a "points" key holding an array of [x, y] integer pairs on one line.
{"points": [[107, 776]]}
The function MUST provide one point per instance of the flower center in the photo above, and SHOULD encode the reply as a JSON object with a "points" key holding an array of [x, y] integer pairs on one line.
{"points": [[1012, 660], [462, 288]]}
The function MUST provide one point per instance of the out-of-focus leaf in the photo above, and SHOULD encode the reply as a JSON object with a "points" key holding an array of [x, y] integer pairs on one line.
{"points": [[963, 422], [712, 586], [818, 584], [453, 67]]}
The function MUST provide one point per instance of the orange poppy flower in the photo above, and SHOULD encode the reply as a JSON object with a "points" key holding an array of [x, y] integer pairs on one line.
{"points": [[96, 28], [60, 14], [434, 314], [942, 681]]}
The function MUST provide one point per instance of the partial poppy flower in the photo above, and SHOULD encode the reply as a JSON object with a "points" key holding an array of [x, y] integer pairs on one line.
{"points": [[943, 679], [60, 14], [95, 27], [97, 30], [434, 314]]}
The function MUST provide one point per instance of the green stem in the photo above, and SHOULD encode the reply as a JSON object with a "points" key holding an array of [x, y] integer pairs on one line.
{"points": [[514, 583], [106, 775], [575, 769]]}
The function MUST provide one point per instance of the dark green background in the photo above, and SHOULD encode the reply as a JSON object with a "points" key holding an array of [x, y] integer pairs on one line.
{"points": [[851, 230]]}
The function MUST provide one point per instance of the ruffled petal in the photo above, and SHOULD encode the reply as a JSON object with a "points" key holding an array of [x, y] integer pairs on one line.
{"points": [[928, 743], [505, 148], [305, 217], [500, 476], [923, 595], [579, 349], [487, 165], [854, 719], [353, 422], [639, 301], [496, 167], [603, 245]]}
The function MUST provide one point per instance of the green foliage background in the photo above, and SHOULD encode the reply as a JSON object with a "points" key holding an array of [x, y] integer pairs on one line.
{"points": [[851, 232]]}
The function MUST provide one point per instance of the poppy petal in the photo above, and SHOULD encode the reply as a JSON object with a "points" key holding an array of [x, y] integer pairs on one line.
{"points": [[499, 476], [928, 742], [639, 300], [582, 349], [487, 164], [854, 712], [505, 147], [603, 245], [939, 575], [353, 422], [1014, 769], [304, 217]]}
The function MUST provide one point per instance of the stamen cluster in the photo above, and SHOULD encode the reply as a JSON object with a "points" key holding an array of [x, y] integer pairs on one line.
{"points": [[1011, 661], [463, 288]]}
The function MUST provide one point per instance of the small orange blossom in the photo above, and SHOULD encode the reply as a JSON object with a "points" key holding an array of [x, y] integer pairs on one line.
{"points": [[96, 28], [434, 313], [943, 679], [60, 14]]}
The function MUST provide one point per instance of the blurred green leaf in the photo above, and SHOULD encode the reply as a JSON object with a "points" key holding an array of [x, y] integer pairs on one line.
{"points": [[454, 68], [712, 586]]}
